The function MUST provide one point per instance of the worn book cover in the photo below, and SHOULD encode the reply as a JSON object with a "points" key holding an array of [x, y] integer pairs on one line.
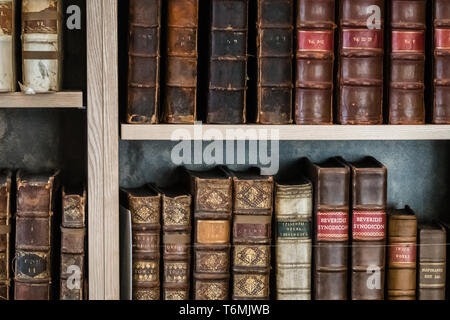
{"points": [[5, 233]]}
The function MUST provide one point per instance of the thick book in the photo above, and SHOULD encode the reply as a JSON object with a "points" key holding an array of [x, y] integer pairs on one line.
{"points": [[145, 206], [227, 83], [42, 29], [212, 198], [35, 207], [7, 46], [407, 62], [73, 248], [315, 62], [5, 233], [275, 52], [331, 180], [361, 55], [293, 216], [432, 262], [144, 62], [181, 70], [402, 255]]}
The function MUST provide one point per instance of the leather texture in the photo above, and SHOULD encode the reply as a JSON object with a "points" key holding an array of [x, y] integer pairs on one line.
{"points": [[5, 233]]}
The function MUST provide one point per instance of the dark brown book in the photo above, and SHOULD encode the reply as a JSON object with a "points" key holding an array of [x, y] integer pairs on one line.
{"points": [[5, 232], [228, 62], [432, 262], [274, 43], [181, 74], [402, 254], [144, 61], [361, 52], [315, 61], [34, 234], [331, 180], [73, 236], [145, 207]]}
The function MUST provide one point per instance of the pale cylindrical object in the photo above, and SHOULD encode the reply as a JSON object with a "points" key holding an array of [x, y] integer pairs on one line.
{"points": [[7, 56]]}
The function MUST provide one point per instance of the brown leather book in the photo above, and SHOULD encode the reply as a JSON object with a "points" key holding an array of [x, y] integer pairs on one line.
{"points": [[212, 196], [145, 207], [181, 74], [331, 180], [33, 258], [73, 236], [144, 61], [407, 62], [228, 62], [361, 50], [441, 71], [402, 239], [432, 262], [5, 232], [252, 234], [274, 43], [315, 62], [7, 46]]}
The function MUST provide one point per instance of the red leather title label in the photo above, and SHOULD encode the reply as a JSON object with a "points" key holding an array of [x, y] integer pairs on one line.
{"points": [[362, 39], [332, 226], [442, 38], [315, 41], [408, 41], [243, 231], [402, 253], [6, 17], [369, 225]]}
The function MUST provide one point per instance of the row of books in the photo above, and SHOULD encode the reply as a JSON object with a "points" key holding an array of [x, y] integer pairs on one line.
{"points": [[334, 239], [33, 218], [365, 33]]}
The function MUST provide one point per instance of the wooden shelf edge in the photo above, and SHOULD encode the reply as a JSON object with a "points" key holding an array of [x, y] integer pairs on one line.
{"points": [[63, 99]]}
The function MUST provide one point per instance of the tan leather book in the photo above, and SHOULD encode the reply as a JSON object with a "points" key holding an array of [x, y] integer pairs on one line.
{"points": [[5, 232], [7, 46]]}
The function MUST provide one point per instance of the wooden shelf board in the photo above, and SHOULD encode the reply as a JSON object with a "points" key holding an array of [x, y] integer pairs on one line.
{"points": [[65, 99]]}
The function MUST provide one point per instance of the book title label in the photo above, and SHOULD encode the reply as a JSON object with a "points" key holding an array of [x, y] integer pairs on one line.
{"points": [[369, 225], [408, 41], [332, 226], [402, 253], [315, 41], [362, 39], [294, 229], [442, 38]]}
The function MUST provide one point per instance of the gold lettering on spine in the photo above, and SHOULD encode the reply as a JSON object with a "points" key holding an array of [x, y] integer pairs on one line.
{"points": [[213, 231]]}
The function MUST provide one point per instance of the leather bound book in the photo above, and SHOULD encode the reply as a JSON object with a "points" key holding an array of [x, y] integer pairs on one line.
{"points": [[5, 232], [144, 61], [331, 181], [402, 239], [7, 46], [212, 196], [42, 45], [145, 207], [315, 62], [293, 214], [73, 237], [181, 72], [33, 258], [407, 49], [274, 43], [432, 262], [360, 75], [228, 62]]}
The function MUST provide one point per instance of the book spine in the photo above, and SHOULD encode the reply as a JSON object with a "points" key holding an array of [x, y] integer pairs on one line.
{"points": [[293, 211], [181, 86], [314, 62], [360, 74], [7, 46], [5, 231], [407, 85], [228, 62], [144, 61], [42, 45], [275, 52]]}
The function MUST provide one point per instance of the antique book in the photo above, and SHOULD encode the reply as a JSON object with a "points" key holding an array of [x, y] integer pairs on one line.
{"points": [[145, 206], [331, 181], [361, 50], [42, 45], [407, 62], [293, 216], [315, 62], [212, 197], [7, 46], [227, 92], [5, 233], [181, 74], [274, 46], [144, 61], [402, 238], [73, 238], [35, 203], [432, 262], [441, 72]]}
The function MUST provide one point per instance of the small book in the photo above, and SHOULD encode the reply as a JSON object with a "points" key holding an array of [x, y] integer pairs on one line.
{"points": [[5, 233], [7, 46]]}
